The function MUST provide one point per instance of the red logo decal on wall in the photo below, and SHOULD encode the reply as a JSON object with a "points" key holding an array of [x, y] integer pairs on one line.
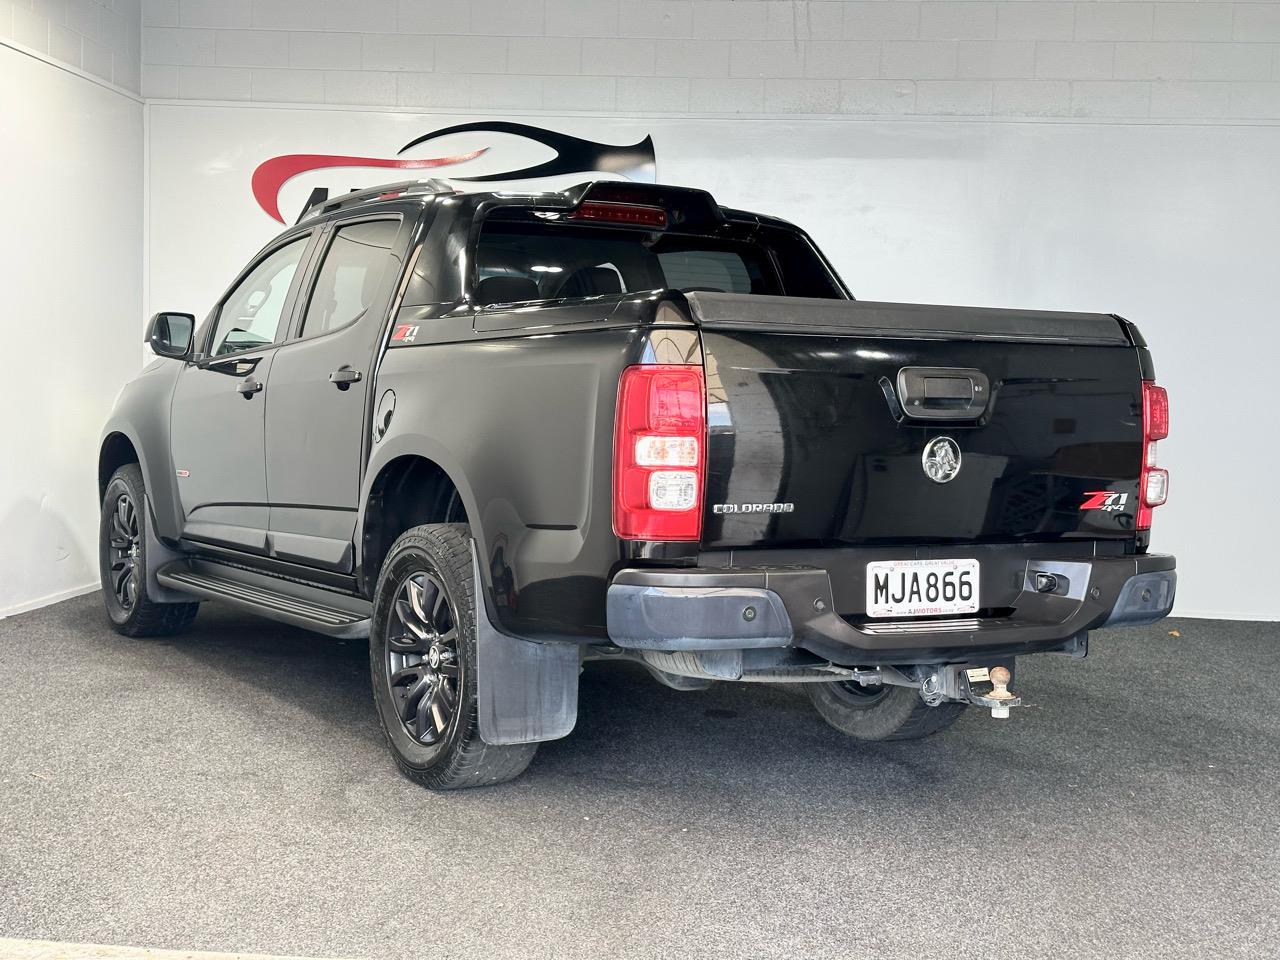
{"points": [[273, 174]]}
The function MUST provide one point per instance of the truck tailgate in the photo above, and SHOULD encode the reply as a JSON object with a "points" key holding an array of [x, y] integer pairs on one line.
{"points": [[820, 413]]}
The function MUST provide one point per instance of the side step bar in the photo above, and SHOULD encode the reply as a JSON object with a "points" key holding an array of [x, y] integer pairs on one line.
{"points": [[297, 604]]}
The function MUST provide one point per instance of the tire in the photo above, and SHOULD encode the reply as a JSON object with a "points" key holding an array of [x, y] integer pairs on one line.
{"points": [[880, 713], [422, 661], [122, 562]]}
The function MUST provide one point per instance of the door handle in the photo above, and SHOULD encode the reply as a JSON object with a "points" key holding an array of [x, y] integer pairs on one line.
{"points": [[344, 377], [248, 387]]}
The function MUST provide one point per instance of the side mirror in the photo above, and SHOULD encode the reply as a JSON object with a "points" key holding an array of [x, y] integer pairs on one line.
{"points": [[170, 334]]}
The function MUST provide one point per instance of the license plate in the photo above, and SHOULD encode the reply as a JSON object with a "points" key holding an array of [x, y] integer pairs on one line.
{"points": [[921, 588]]}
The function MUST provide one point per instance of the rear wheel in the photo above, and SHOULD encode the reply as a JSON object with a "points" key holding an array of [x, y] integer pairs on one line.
{"points": [[880, 712], [422, 659], [122, 559]]}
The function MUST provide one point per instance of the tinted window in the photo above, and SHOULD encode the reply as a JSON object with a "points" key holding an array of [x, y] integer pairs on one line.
{"points": [[520, 261], [250, 316], [801, 265], [355, 264], [721, 270]]}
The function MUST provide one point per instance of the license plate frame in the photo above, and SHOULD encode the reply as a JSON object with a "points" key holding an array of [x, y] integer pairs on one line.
{"points": [[908, 581]]}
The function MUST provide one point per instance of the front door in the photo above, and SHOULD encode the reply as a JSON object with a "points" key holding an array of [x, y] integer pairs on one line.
{"points": [[218, 412], [320, 384]]}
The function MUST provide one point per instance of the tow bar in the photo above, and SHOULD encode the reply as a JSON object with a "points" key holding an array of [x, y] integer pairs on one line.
{"points": [[999, 699], [958, 682]]}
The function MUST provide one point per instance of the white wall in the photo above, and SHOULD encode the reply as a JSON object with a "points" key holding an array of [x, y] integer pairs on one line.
{"points": [[1092, 58], [70, 314], [101, 37], [1174, 226]]}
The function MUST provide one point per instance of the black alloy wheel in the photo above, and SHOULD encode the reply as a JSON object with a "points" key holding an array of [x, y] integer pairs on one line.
{"points": [[424, 669], [422, 663], [124, 545], [123, 562]]}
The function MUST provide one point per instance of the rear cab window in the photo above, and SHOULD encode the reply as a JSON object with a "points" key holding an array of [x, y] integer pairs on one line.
{"points": [[521, 257]]}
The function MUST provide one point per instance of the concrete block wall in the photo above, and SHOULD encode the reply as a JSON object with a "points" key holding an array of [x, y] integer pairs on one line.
{"points": [[1168, 59], [100, 37]]}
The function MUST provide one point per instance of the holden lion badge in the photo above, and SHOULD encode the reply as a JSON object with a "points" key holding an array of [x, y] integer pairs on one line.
{"points": [[941, 459]]}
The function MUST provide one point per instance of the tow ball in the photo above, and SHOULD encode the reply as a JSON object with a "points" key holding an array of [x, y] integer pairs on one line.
{"points": [[999, 699]]}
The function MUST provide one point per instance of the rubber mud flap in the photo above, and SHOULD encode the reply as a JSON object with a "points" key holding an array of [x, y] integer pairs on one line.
{"points": [[157, 556], [527, 691]]}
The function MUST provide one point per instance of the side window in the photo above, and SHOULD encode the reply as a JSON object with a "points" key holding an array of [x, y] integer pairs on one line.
{"points": [[351, 275], [250, 317]]}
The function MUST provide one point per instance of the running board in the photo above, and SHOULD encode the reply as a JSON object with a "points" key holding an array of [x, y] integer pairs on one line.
{"points": [[297, 604]]}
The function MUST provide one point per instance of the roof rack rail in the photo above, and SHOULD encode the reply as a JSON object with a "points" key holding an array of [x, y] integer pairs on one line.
{"points": [[383, 190]]}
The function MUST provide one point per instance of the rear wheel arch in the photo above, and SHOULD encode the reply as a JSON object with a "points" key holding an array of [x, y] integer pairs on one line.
{"points": [[408, 491]]}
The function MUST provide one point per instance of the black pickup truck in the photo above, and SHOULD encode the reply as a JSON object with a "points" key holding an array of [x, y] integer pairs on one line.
{"points": [[503, 433]]}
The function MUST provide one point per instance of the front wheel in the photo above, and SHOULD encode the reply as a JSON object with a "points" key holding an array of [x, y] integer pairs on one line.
{"points": [[880, 712], [122, 559], [422, 660]]}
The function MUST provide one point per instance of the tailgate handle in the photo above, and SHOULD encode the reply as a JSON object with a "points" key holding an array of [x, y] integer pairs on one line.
{"points": [[943, 393]]}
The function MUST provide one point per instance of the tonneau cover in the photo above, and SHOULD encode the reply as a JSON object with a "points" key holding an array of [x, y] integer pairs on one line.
{"points": [[728, 311]]}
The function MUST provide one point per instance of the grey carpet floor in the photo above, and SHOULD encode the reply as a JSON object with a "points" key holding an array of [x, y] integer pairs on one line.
{"points": [[228, 790]]}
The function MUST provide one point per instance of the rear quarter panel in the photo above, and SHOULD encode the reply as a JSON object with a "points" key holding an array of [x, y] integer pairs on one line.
{"points": [[521, 418]]}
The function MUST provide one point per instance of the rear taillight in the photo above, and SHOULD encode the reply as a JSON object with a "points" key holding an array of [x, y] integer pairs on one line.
{"points": [[1153, 486], [659, 455]]}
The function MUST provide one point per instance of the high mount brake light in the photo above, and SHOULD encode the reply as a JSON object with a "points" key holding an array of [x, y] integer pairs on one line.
{"points": [[659, 452], [621, 213], [1153, 482]]}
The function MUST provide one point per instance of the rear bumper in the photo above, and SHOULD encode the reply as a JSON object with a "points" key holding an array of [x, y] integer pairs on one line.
{"points": [[736, 608]]}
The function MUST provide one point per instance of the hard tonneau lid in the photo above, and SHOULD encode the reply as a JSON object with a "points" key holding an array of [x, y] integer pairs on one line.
{"points": [[915, 320]]}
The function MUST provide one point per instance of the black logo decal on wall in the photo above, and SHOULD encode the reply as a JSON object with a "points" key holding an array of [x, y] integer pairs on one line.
{"points": [[573, 154]]}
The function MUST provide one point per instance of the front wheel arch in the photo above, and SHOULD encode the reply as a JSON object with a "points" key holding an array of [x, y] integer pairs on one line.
{"points": [[117, 450]]}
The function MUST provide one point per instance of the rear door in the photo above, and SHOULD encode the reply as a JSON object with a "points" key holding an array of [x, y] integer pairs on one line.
{"points": [[217, 412], [320, 382]]}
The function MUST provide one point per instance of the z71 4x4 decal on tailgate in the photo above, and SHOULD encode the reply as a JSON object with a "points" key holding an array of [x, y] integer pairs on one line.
{"points": [[1106, 500]]}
